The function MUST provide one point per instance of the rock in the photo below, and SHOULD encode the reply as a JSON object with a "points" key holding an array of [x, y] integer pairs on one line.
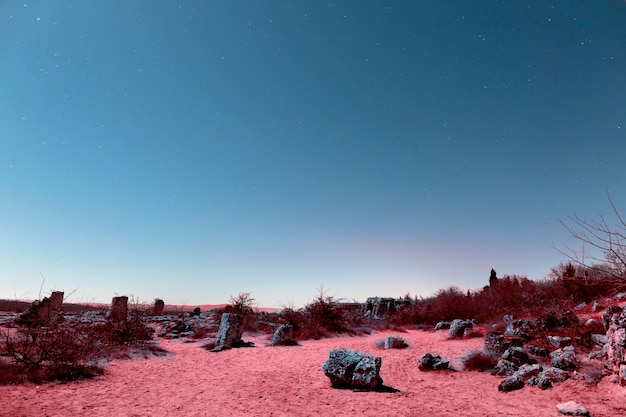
{"points": [[572, 408], [527, 371], [7, 317], [548, 376], [430, 362], [442, 325], [611, 315], [614, 320], [179, 328], [520, 328], [367, 373], [504, 367], [352, 369], [621, 376], [599, 339], [119, 309], [378, 307], [158, 307], [283, 335], [597, 354], [229, 333], [554, 320], [459, 327], [496, 343], [515, 355], [559, 341], [593, 326], [44, 312], [595, 306], [395, 343], [507, 318], [538, 351], [564, 358], [580, 306], [511, 383], [540, 382]]}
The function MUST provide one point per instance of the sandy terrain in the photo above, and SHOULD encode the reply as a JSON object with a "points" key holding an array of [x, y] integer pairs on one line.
{"points": [[288, 381]]}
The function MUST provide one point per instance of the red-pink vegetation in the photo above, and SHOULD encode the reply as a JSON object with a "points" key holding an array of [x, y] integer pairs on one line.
{"points": [[57, 350], [479, 361], [567, 287]]}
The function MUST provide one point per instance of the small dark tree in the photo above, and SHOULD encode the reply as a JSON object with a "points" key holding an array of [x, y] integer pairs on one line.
{"points": [[325, 312], [493, 278], [243, 304]]}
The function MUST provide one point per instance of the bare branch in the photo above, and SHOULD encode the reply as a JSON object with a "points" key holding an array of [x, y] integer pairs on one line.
{"points": [[600, 235]]}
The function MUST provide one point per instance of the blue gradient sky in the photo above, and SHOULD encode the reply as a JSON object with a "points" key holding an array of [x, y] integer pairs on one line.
{"points": [[193, 150]]}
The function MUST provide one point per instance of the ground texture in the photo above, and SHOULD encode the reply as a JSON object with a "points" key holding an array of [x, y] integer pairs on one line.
{"points": [[288, 381]]}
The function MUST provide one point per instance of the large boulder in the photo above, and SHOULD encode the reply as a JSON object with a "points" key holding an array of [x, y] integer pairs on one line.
{"points": [[459, 327], [366, 374], [230, 331], [352, 369], [283, 336]]}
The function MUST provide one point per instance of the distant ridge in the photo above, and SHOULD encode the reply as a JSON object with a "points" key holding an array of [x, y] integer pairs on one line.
{"points": [[209, 307], [22, 305]]}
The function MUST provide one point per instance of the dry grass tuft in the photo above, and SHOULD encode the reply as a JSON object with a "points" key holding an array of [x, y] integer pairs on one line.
{"points": [[479, 361]]}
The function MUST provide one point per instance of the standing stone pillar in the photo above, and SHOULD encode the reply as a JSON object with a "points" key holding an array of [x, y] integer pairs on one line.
{"points": [[46, 311], [56, 301], [119, 309], [159, 305], [50, 307], [231, 329]]}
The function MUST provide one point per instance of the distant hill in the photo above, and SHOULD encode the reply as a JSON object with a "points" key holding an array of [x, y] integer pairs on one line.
{"points": [[19, 306], [209, 307]]}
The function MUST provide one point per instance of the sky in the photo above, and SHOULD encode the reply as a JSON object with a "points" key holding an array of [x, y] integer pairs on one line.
{"points": [[193, 150]]}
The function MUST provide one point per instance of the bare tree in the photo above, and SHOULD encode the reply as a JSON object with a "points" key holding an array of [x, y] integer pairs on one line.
{"points": [[607, 243], [243, 304]]}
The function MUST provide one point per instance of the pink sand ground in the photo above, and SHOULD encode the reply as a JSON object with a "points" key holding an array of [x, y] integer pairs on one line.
{"points": [[288, 381]]}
